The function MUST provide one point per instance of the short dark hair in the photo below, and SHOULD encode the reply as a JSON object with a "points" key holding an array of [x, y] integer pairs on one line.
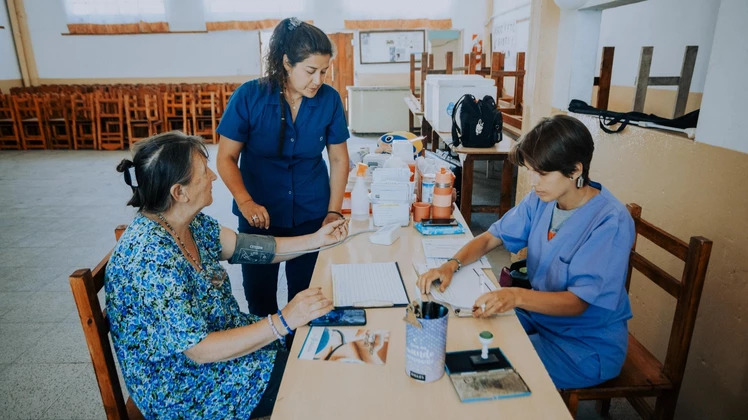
{"points": [[557, 143], [160, 161], [297, 40]]}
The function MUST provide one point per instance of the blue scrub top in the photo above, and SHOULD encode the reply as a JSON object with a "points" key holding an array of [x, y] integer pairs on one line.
{"points": [[294, 187], [588, 257]]}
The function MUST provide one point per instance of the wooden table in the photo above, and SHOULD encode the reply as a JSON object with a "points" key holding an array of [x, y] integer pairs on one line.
{"points": [[467, 156], [330, 390]]}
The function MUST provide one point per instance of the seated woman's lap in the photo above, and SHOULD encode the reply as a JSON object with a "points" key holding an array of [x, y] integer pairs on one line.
{"points": [[565, 372]]}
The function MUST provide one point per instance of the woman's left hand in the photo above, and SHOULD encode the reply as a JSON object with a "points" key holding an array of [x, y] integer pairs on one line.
{"points": [[331, 232], [497, 301], [331, 217]]}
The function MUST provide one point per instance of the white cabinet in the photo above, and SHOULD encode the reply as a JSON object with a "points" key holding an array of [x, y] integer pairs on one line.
{"points": [[377, 109]]}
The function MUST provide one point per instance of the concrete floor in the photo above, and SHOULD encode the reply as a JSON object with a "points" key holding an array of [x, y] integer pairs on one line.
{"points": [[58, 212]]}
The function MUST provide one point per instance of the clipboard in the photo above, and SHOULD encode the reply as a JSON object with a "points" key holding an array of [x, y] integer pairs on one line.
{"points": [[372, 285]]}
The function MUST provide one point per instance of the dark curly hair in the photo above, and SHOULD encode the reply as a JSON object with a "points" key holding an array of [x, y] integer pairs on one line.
{"points": [[297, 40], [160, 161], [557, 143]]}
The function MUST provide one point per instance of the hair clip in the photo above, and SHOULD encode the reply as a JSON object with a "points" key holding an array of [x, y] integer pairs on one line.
{"points": [[131, 174], [293, 23]]}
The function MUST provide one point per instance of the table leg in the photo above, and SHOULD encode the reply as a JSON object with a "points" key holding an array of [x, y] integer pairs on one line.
{"points": [[507, 175], [466, 193]]}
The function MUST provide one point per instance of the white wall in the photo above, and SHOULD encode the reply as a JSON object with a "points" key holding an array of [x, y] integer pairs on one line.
{"points": [[8, 60], [723, 107], [668, 25], [225, 53]]}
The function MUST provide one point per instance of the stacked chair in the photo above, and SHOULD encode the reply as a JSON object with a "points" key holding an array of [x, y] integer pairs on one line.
{"points": [[108, 117]]}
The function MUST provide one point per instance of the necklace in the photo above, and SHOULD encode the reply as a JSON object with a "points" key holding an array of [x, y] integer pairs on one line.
{"points": [[184, 247], [293, 102]]}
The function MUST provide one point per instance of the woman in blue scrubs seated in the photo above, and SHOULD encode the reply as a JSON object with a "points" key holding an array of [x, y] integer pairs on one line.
{"points": [[185, 349], [273, 133], [578, 238]]}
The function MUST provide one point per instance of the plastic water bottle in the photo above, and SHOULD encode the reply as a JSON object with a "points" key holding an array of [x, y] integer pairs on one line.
{"points": [[360, 195]]}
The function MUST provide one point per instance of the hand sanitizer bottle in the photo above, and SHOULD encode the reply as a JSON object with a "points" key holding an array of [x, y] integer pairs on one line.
{"points": [[360, 195]]}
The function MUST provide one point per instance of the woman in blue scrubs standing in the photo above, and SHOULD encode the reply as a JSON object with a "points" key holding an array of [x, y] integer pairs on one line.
{"points": [[273, 132], [578, 238]]}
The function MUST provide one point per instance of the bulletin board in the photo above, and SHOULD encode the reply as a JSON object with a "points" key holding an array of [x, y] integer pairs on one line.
{"points": [[384, 47]]}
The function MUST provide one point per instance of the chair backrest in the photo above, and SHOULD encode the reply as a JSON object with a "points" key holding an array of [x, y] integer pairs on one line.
{"points": [[687, 290], [86, 285]]}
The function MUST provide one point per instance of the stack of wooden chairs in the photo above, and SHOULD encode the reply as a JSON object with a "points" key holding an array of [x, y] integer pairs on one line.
{"points": [[108, 117]]}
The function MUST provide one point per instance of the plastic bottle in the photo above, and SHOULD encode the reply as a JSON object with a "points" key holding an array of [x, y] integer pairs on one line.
{"points": [[360, 194]]}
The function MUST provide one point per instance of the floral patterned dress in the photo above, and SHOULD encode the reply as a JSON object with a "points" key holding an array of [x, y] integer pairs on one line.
{"points": [[159, 306]]}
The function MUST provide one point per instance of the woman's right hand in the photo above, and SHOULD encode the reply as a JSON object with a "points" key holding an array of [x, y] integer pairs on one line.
{"points": [[443, 273], [307, 305], [256, 215]]}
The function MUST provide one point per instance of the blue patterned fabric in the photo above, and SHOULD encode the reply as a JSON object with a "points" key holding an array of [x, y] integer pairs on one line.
{"points": [[159, 306]]}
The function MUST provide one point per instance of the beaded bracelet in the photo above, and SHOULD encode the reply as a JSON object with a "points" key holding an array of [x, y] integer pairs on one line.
{"points": [[336, 212], [275, 331], [285, 324]]}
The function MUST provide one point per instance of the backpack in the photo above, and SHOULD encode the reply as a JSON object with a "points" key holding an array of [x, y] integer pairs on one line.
{"points": [[479, 123]]}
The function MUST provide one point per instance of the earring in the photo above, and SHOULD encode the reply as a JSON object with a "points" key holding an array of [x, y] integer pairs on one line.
{"points": [[580, 181]]}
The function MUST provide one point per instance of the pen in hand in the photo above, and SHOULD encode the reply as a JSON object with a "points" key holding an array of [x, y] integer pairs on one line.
{"points": [[482, 289]]}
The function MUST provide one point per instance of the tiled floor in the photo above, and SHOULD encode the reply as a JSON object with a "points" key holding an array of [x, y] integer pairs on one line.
{"points": [[58, 212]]}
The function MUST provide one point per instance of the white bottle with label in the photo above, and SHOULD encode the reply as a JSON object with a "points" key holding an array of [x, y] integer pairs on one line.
{"points": [[360, 195]]}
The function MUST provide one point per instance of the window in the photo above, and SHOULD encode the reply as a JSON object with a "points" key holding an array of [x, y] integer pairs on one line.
{"points": [[227, 10], [398, 9], [115, 11]]}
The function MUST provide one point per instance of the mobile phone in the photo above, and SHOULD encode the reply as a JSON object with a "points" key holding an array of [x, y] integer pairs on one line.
{"points": [[439, 222], [341, 317]]}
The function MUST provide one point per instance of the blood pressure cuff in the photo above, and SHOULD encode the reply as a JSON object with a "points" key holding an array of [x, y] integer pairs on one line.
{"points": [[253, 249]]}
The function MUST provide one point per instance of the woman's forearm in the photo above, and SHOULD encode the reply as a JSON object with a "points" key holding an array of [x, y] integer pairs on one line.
{"points": [[475, 249], [227, 162], [292, 244], [551, 303], [225, 345], [338, 155]]}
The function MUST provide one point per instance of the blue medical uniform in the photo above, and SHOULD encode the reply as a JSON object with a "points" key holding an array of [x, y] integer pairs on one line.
{"points": [[294, 186], [588, 257]]}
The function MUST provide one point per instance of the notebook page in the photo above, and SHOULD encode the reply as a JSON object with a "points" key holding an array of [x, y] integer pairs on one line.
{"points": [[368, 285]]}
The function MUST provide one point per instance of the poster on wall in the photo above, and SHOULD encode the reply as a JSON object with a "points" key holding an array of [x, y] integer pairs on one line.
{"points": [[384, 47]]}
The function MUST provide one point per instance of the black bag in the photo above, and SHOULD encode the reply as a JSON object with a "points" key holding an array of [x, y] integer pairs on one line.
{"points": [[609, 118], [479, 123]]}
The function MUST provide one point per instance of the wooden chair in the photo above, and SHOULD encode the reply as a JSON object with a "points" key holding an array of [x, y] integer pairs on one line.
{"points": [[86, 285], [84, 121], [204, 116], [141, 115], [57, 115], [9, 136], [177, 111], [110, 126], [29, 118], [642, 374]]}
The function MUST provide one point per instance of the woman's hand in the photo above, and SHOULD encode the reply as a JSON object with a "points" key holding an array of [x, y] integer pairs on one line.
{"points": [[306, 306], [256, 215], [331, 217], [497, 301], [331, 233], [443, 274]]}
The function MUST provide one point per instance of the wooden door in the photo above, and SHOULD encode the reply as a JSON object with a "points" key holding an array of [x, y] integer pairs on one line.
{"points": [[341, 70]]}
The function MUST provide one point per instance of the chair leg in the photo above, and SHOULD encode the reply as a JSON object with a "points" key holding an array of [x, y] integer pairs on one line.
{"points": [[571, 399], [665, 406], [603, 407]]}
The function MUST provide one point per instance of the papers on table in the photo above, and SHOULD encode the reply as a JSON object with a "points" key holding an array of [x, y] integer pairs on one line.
{"points": [[466, 286], [439, 250], [368, 285]]}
